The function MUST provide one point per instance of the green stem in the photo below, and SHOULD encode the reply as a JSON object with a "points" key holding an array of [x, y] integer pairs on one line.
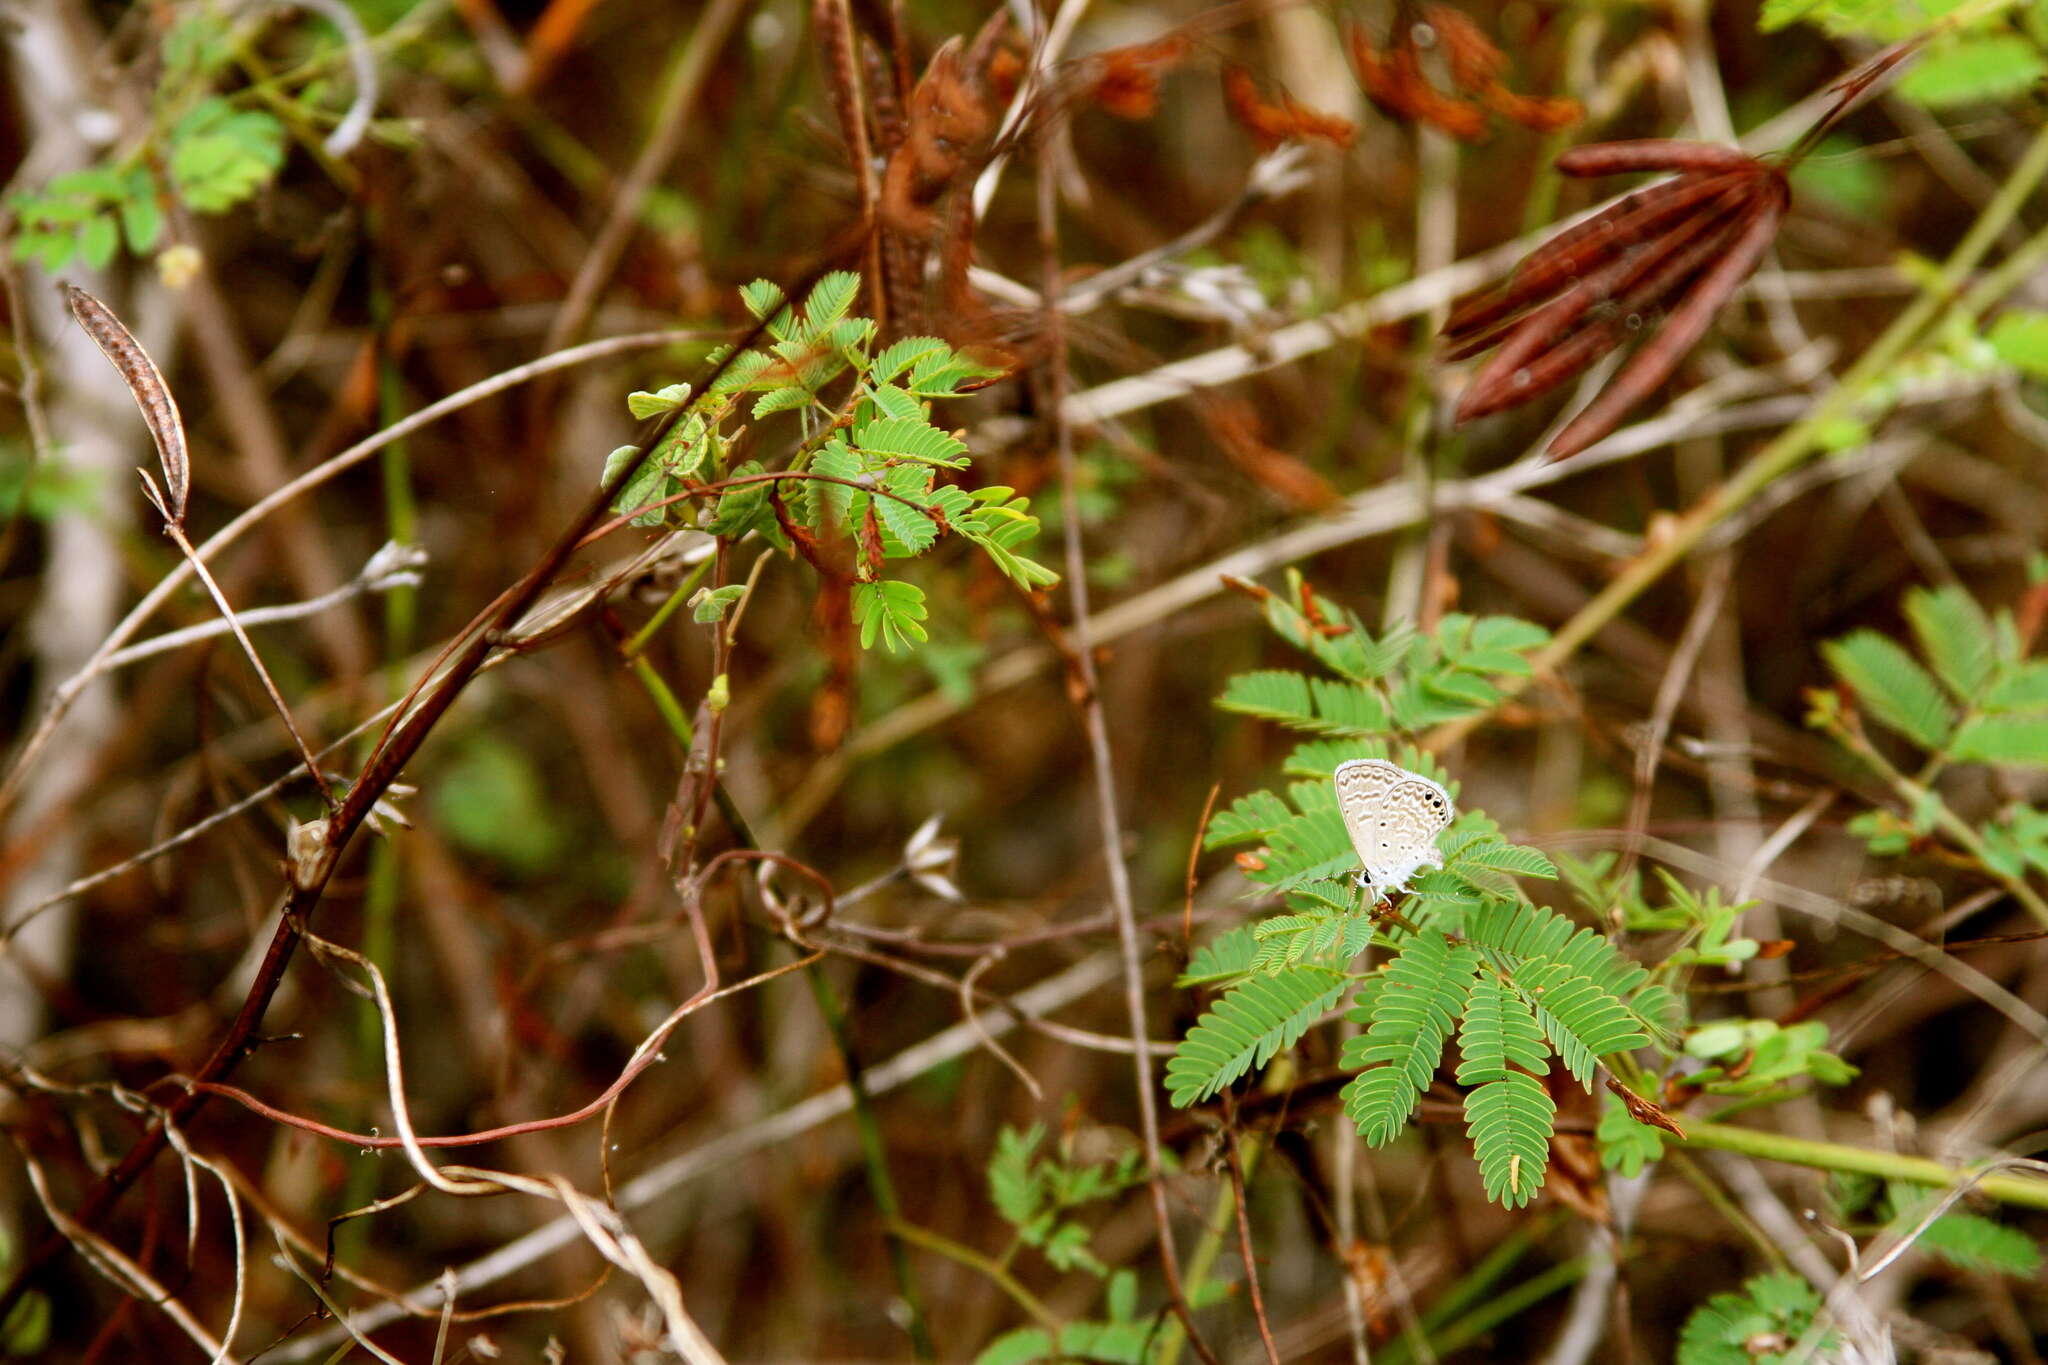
{"points": [[666, 704], [875, 1155], [974, 1260], [1481, 1278], [668, 608], [1491, 1314], [1833, 1156]]}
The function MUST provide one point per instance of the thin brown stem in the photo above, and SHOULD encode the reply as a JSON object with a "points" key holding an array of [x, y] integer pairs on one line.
{"points": [[1097, 730]]}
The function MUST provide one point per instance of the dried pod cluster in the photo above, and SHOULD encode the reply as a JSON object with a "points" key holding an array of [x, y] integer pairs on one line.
{"points": [[1658, 263], [1394, 80]]}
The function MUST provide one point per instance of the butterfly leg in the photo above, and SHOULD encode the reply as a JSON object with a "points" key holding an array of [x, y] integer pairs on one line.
{"points": [[1364, 882]]}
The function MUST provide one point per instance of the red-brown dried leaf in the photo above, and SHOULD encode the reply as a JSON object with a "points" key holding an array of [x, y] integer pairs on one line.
{"points": [[945, 119], [1643, 1111], [1475, 62], [1272, 124], [1394, 82], [1234, 424], [1653, 154], [870, 567], [1632, 283], [1682, 329], [1124, 81], [1393, 79], [1537, 113]]}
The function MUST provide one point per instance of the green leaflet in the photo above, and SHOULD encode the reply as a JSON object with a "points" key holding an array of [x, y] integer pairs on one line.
{"points": [[1247, 1027], [1890, 687], [1419, 1001]]}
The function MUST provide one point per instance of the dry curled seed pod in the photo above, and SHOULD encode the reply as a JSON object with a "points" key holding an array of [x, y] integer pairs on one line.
{"points": [[152, 395], [1677, 250]]}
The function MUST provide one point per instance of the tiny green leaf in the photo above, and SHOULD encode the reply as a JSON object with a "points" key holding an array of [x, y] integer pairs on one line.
{"points": [[1890, 687], [711, 604]]}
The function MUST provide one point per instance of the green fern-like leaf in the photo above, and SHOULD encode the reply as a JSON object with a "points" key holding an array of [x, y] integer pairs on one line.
{"points": [[2024, 688], [829, 298], [1247, 818], [911, 439], [892, 611], [2003, 739], [1582, 1021], [1500, 1031], [1012, 1185], [908, 526], [1308, 847], [1779, 1306], [1890, 687], [1506, 857], [1331, 939], [1344, 708], [1247, 1027], [1318, 705], [1226, 957], [785, 399], [1319, 758], [1955, 637], [1420, 996], [759, 297], [836, 460], [1979, 69], [220, 155], [901, 355], [1275, 694], [1509, 1114], [1509, 1121], [1964, 1239], [942, 374], [890, 401], [1519, 933], [1974, 1243]]}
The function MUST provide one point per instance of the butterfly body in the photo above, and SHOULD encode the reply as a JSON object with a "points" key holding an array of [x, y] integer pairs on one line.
{"points": [[1393, 817]]}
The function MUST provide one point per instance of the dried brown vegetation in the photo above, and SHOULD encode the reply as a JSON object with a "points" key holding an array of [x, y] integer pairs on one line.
{"points": [[450, 911], [1655, 267]]}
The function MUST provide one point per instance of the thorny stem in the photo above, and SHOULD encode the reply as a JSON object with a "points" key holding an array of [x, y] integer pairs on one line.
{"points": [[1791, 448], [1098, 742]]}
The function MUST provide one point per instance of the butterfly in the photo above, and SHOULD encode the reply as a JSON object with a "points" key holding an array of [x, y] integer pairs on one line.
{"points": [[1393, 817]]}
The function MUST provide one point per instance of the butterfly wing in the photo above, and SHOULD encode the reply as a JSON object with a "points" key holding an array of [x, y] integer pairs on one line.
{"points": [[1362, 788], [1393, 817], [1424, 810]]}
